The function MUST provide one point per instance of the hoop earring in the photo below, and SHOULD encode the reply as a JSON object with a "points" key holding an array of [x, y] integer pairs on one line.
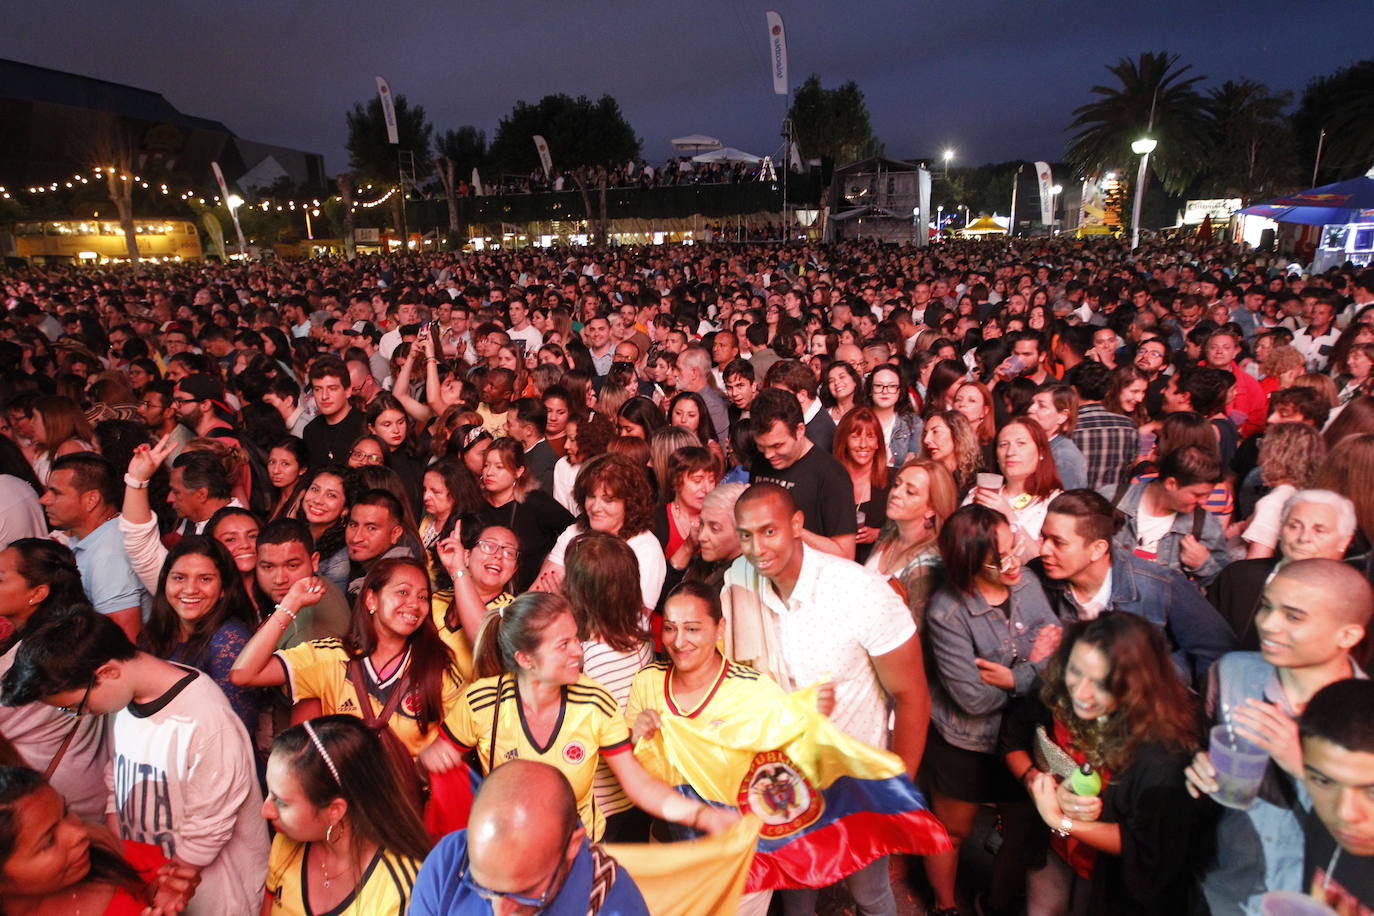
{"points": [[329, 832]]}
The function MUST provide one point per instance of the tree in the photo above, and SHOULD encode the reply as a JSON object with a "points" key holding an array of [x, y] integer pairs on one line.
{"points": [[832, 123], [112, 145], [1157, 96], [580, 133], [465, 147], [1342, 104], [375, 160], [1252, 141]]}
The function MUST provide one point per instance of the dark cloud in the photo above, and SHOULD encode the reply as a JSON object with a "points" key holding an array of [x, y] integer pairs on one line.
{"points": [[993, 80]]}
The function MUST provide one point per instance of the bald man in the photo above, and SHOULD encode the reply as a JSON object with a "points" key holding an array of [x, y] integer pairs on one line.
{"points": [[1313, 614], [524, 851]]}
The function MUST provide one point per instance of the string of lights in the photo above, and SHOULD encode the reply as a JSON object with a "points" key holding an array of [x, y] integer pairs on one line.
{"points": [[102, 173]]}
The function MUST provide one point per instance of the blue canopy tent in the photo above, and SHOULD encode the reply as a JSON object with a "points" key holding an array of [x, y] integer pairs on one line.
{"points": [[1350, 201]]}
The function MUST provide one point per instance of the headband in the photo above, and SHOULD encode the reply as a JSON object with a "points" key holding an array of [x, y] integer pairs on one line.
{"points": [[319, 746]]}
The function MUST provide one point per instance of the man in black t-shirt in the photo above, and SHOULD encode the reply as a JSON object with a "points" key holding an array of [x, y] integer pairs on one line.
{"points": [[330, 435], [819, 484], [1337, 730]]}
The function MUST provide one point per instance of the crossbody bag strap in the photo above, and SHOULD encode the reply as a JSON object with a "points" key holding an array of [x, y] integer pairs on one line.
{"points": [[355, 674], [495, 719], [62, 749]]}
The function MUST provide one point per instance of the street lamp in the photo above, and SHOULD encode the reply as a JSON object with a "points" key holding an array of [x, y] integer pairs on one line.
{"points": [[949, 154], [233, 202], [1142, 148], [1055, 191]]}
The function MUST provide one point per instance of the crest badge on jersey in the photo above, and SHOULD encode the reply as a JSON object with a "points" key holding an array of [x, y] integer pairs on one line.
{"points": [[776, 790], [574, 752]]}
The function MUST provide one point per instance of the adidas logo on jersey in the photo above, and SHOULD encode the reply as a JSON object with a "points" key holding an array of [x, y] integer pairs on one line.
{"points": [[348, 705]]}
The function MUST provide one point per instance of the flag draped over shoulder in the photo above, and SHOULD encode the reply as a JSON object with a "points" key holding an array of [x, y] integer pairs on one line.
{"points": [[695, 877], [829, 803]]}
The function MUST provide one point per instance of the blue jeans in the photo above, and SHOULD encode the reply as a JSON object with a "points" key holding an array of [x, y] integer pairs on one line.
{"points": [[870, 886]]}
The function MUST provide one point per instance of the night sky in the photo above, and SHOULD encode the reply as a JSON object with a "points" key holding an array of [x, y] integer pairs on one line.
{"points": [[992, 80]]}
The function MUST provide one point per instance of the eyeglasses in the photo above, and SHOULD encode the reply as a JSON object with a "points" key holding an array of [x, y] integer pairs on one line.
{"points": [[538, 903], [366, 457], [76, 711], [887, 388], [176, 400], [491, 549]]}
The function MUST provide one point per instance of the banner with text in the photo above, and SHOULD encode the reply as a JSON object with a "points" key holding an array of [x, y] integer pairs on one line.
{"points": [[777, 52], [388, 111], [1046, 182]]}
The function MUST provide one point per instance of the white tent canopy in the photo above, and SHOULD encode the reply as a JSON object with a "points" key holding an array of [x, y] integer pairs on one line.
{"points": [[727, 154], [696, 142]]}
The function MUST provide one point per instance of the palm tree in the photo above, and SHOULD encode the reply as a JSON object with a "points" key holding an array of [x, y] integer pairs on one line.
{"points": [[1155, 96], [1342, 105], [1253, 148]]}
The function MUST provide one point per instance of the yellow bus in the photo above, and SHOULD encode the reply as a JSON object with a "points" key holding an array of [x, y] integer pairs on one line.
{"points": [[100, 241]]}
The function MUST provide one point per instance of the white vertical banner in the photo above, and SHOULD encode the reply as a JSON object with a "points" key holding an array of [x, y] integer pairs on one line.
{"points": [[544, 158], [777, 52], [794, 159], [923, 201], [476, 182], [1046, 181], [219, 180], [388, 111]]}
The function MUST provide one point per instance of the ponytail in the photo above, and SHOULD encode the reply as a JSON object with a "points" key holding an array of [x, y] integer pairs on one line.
{"points": [[517, 627]]}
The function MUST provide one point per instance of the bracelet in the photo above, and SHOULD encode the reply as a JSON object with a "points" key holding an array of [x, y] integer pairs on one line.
{"points": [[459, 573], [1065, 827], [290, 614], [132, 481]]}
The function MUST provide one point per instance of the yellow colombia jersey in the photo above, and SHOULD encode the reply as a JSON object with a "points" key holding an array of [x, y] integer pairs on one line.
{"points": [[383, 891], [319, 669], [588, 726], [456, 639], [739, 694]]}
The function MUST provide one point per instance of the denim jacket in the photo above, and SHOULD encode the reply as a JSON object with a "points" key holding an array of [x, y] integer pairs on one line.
{"points": [[960, 628], [1197, 634], [1212, 537]]}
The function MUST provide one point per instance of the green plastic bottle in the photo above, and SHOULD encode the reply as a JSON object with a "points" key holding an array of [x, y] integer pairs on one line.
{"points": [[1085, 780]]}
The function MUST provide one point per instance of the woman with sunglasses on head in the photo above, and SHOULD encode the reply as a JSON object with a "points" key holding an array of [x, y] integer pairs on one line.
{"points": [[347, 838], [38, 578], [990, 632], [532, 701]]}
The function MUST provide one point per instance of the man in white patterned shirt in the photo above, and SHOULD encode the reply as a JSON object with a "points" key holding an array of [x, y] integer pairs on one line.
{"points": [[830, 619]]}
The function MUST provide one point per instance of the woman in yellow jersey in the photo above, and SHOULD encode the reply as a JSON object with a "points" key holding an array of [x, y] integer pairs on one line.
{"points": [[347, 840], [480, 582], [535, 703], [392, 649], [699, 682]]}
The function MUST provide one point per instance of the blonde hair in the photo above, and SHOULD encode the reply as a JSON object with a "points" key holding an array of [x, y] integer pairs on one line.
{"points": [[1290, 453]]}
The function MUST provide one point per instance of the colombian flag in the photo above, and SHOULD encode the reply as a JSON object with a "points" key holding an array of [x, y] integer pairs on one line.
{"points": [[829, 804]]}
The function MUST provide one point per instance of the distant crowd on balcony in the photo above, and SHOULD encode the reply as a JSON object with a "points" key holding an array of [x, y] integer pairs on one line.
{"points": [[679, 171]]}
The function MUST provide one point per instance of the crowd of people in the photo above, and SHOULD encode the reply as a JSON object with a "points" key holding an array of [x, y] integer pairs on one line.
{"points": [[630, 174], [288, 548]]}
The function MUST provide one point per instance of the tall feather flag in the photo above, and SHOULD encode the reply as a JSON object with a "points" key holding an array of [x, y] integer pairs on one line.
{"points": [[542, 147], [777, 52], [829, 803], [1045, 179], [388, 111]]}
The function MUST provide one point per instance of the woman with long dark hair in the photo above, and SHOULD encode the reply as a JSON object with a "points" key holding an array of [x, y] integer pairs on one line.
{"points": [[287, 464], [533, 701], [1112, 700], [886, 391], [406, 451], [202, 617], [449, 494], [392, 666], [514, 501], [347, 837], [324, 507], [237, 529]]}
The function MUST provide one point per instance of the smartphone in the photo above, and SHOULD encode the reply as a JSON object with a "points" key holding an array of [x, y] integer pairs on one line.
{"points": [[434, 339], [519, 345]]}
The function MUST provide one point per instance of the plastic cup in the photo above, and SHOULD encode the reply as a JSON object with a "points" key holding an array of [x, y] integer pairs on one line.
{"points": [[989, 481], [1292, 903], [1240, 766]]}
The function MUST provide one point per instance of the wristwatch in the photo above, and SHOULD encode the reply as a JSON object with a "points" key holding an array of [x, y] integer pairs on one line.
{"points": [[1065, 827]]}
